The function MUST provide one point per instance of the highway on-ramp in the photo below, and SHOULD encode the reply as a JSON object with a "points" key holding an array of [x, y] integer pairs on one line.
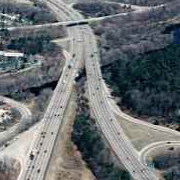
{"points": [[156, 148]]}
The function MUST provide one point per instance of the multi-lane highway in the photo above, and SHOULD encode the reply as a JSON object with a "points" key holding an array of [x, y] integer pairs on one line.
{"points": [[106, 119], [83, 40], [42, 148]]}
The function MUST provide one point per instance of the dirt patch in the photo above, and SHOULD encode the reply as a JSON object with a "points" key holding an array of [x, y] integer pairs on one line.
{"points": [[9, 168], [66, 162]]}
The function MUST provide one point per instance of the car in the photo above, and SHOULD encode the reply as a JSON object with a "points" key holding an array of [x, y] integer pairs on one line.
{"points": [[43, 133], [171, 148], [31, 157], [6, 144]]}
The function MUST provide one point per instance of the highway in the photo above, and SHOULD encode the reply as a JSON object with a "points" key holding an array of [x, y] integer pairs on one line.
{"points": [[106, 119], [83, 42], [44, 143]]}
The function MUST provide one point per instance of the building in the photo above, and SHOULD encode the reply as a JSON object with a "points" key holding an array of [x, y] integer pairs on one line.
{"points": [[11, 61]]}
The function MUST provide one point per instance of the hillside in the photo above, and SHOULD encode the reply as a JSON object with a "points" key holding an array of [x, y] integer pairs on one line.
{"points": [[145, 2], [140, 56]]}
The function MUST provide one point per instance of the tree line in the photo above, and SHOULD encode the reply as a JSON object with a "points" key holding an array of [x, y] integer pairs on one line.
{"points": [[149, 84], [88, 139]]}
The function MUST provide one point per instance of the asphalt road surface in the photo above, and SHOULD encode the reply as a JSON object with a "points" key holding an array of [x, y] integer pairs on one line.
{"points": [[44, 143], [83, 43], [156, 147], [106, 119]]}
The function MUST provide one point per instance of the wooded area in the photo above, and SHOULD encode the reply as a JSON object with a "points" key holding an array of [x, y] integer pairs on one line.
{"points": [[169, 164], [36, 13], [99, 9], [91, 145], [149, 84], [142, 52], [145, 2]]}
